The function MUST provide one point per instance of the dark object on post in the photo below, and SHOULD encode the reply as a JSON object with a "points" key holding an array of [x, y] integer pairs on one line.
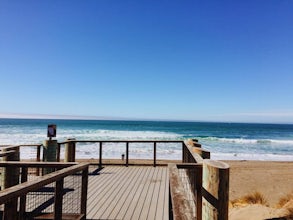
{"points": [[52, 131]]}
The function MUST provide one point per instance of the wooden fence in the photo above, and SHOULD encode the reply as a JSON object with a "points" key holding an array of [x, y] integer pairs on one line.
{"points": [[208, 182]]}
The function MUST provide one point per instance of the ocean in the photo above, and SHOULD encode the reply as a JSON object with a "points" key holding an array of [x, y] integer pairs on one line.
{"points": [[226, 141]]}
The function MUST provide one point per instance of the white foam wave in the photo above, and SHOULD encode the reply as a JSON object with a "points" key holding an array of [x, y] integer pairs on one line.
{"points": [[39, 136], [249, 141], [120, 135], [146, 151]]}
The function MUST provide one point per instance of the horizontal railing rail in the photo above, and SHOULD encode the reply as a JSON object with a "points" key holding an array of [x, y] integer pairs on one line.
{"points": [[21, 164], [123, 141]]}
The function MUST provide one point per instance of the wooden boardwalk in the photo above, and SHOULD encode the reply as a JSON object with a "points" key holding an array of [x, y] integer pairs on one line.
{"points": [[129, 193]]}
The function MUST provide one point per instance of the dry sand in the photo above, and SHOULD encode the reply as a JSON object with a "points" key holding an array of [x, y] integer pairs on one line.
{"points": [[274, 180]]}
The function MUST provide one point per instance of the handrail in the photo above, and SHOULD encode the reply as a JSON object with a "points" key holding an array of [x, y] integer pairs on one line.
{"points": [[37, 164], [24, 188], [122, 141], [6, 153], [9, 196], [189, 156]]}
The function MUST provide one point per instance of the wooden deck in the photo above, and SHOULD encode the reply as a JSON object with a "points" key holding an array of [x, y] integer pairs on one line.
{"points": [[129, 193]]}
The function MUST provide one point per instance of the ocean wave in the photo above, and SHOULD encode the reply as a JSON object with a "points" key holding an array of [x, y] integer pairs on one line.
{"points": [[130, 135], [248, 141], [38, 137]]}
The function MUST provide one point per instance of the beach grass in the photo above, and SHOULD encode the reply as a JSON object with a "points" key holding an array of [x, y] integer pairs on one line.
{"points": [[285, 200], [253, 198]]}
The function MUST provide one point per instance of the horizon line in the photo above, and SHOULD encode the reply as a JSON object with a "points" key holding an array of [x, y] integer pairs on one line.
{"points": [[108, 118]]}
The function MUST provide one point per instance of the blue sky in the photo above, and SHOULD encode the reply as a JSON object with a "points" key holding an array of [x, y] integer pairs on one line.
{"points": [[176, 60]]}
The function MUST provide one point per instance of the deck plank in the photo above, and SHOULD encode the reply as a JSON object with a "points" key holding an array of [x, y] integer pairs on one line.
{"points": [[133, 196], [148, 212], [140, 204], [160, 192], [137, 197], [103, 191], [128, 193], [166, 195], [125, 197], [122, 183]]}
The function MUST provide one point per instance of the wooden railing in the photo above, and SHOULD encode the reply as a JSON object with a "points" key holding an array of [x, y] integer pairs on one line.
{"points": [[70, 146], [17, 210], [5, 150], [207, 181]]}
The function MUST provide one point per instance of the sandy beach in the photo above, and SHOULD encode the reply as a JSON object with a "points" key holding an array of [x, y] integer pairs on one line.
{"points": [[273, 180]]}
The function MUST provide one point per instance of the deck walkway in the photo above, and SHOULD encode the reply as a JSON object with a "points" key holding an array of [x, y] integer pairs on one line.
{"points": [[129, 193]]}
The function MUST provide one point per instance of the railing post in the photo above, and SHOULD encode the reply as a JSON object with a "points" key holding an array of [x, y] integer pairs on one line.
{"points": [[202, 152], [11, 174], [22, 203], [70, 146], [58, 199], [38, 159], [194, 143], [49, 154], [215, 190], [198, 185], [11, 178], [100, 154], [58, 151], [127, 153], [183, 152], [84, 186], [155, 153]]}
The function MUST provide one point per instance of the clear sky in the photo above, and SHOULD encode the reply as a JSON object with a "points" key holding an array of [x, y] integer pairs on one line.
{"points": [[145, 59]]}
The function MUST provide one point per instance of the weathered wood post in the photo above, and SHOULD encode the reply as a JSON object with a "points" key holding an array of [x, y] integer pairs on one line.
{"points": [[100, 154], [84, 187], [70, 146], [202, 152], [155, 154], [11, 174], [49, 154], [193, 143], [11, 178], [38, 158], [127, 153], [215, 190]]}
